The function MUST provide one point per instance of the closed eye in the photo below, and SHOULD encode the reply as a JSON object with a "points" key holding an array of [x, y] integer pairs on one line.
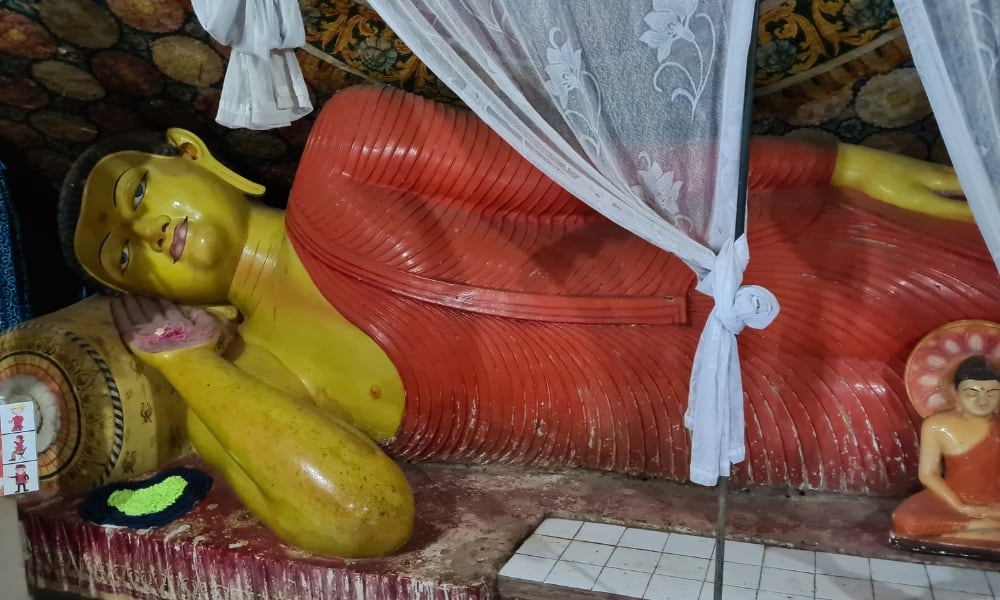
{"points": [[139, 194], [124, 258]]}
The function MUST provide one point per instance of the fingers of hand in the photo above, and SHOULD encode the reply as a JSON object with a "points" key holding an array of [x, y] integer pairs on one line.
{"points": [[190, 313], [943, 179], [150, 308], [133, 310], [120, 316], [173, 312], [200, 318]]}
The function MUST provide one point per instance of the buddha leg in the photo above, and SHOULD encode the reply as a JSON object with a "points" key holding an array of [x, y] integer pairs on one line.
{"points": [[312, 478], [212, 452], [980, 529]]}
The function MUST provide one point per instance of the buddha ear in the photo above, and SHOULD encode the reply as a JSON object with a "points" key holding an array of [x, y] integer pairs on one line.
{"points": [[191, 146]]}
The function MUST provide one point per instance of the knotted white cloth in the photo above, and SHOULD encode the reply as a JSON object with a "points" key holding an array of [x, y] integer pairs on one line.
{"points": [[264, 87], [715, 403]]}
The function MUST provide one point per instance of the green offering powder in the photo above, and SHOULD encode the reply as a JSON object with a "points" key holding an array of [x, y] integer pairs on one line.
{"points": [[152, 499]]}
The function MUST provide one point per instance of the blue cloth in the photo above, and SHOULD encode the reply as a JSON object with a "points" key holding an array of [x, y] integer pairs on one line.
{"points": [[14, 302]]}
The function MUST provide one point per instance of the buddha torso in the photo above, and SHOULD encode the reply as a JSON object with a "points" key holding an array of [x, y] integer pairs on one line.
{"points": [[971, 458], [296, 341]]}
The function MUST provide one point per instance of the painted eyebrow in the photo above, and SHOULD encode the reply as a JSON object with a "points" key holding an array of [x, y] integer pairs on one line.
{"points": [[114, 190], [100, 249]]}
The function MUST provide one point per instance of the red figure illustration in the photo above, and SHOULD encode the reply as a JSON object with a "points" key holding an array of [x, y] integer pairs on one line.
{"points": [[18, 419], [19, 448], [21, 478]]}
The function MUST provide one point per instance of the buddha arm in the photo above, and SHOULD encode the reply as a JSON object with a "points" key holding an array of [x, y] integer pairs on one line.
{"points": [[390, 138], [901, 181], [315, 480], [929, 471], [387, 137], [782, 163]]}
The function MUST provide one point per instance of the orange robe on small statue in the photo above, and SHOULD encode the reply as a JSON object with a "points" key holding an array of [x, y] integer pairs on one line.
{"points": [[974, 477]]}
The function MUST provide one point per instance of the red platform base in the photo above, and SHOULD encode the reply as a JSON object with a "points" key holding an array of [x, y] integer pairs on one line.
{"points": [[469, 521]]}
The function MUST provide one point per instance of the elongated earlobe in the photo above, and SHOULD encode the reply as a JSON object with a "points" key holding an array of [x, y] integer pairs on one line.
{"points": [[192, 147]]}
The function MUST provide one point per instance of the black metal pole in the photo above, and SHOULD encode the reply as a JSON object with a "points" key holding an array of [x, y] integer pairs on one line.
{"points": [[741, 192], [741, 217]]}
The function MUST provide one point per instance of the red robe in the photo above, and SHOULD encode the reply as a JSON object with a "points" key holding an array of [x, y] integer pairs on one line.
{"points": [[975, 479], [530, 330]]}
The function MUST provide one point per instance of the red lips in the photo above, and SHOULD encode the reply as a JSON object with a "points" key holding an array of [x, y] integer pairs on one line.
{"points": [[180, 238]]}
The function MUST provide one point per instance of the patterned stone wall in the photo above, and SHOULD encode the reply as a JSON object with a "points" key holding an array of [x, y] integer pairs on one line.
{"points": [[840, 70], [72, 71]]}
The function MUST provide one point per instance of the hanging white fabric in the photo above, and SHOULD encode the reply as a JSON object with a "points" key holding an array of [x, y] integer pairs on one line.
{"points": [[264, 87], [636, 109], [956, 49]]}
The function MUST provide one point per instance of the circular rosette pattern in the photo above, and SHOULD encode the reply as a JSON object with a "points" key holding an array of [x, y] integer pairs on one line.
{"points": [[933, 362]]}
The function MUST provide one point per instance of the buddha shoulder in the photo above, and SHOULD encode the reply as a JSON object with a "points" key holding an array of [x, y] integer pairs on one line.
{"points": [[954, 432]]}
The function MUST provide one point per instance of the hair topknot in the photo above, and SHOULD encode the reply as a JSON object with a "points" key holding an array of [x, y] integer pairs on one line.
{"points": [[976, 368], [71, 194]]}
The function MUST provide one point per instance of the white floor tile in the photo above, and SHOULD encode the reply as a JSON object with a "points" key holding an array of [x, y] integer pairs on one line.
{"points": [[561, 528], [662, 587], [690, 545], [543, 546], [958, 580], [994, 578], [894, 571], [790, 559], [735, 574], [600, 533], [787, 581], [656, 565], [688, 567], [898, 591], [644, 539], [728, 593], [531, 568], [635, 559], [842, 565], [573, 574], [951, 595], [765, 595], [587, 552], [744, 553], [622, 582], [831, 587]]}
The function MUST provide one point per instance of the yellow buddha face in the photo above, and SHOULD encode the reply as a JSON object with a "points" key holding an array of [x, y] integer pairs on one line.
{"points": [[978, 398], [160, 226]]}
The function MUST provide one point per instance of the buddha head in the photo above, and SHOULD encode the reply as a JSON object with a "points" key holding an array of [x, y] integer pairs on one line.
{"points": [[977, 388], [156, 215]]}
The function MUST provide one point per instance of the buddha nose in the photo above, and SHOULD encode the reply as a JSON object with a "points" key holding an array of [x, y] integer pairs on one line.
{"points": [[153, 230]]}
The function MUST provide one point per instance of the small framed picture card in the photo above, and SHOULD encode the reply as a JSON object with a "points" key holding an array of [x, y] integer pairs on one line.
{"points": [[18, 451]]}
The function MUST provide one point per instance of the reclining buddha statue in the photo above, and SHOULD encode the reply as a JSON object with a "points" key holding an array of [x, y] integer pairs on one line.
{"points": [[431, 295]]}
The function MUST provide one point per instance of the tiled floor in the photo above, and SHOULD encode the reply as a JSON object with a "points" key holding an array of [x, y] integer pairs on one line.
{"points": [[656, 565]]}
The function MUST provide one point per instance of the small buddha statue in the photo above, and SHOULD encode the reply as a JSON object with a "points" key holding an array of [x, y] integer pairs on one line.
{"points": [[959, 468]]}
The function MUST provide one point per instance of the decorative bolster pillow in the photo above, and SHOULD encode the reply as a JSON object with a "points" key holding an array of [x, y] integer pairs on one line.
{"points": [[101, 416]]}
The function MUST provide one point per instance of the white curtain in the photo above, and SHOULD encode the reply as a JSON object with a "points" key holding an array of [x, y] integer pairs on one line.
{"points": [[956, 49], [264, 87], [635, 107]]}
